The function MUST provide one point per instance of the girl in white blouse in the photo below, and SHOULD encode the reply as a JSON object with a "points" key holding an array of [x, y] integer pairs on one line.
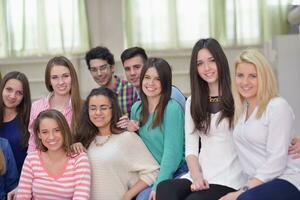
{"points": [[215, 170], [263, 132]]}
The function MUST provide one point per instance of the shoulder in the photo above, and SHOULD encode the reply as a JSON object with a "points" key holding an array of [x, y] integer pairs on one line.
{"points": [[40, 103], [277, 104], [78, 158], [280, 106], [278, 101], [173, 106], [136, 105], [129, 136], [188, 100], [33, 156]]}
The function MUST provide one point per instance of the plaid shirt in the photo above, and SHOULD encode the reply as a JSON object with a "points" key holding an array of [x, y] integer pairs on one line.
{"points": [[126, 94]]}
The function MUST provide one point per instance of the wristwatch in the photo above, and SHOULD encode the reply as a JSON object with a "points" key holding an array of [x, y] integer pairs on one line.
{"points": [[245, 188]]}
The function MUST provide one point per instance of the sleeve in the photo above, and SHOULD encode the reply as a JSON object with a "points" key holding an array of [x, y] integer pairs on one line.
{"points": [[173, 152], [191, 138], [178, 96], [24, 191], [83, 178], [135, 111], [11, 175], [140, 159], [280, 121]]}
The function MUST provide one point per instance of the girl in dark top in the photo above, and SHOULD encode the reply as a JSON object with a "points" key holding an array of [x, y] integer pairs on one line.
{"points": [[15, 104]]}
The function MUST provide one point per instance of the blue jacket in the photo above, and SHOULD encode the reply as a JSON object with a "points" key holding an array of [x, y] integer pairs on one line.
{"points": [[9, 180]]}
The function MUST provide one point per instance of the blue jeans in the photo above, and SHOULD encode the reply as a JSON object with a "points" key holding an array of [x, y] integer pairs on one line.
{"points": [[144, 195], [277, 189]]}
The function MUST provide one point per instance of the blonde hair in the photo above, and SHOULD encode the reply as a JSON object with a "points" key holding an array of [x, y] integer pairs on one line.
{"points": [[267, 84], [2, 163]]}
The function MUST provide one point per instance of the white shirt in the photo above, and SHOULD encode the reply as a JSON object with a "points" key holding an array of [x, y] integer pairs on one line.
{"points": [[218, 158], [262, 144], [118, 164]]}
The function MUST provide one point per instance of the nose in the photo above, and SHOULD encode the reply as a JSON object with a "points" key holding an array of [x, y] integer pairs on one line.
{"points": [[98, 111], [61, 80], [206, 66], [51, 135], [132, 72], [245, 81], [13, 95]]}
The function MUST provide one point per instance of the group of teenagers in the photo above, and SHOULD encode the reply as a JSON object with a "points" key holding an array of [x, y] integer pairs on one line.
{"points": [[233, 138]]}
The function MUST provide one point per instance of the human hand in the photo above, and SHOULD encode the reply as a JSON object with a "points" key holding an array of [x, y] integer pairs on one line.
{"points": [[78, 148], [123, 122], [133, 126], [126, 196], [152, 195], [12, 194], [231, 196], [199, 184], [294, 149]]}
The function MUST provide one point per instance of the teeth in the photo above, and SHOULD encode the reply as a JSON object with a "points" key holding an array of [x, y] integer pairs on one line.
{"points": [[51, 143], [151, 89]]}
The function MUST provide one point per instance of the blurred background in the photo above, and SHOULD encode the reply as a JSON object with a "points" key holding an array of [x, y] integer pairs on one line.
{"points": [[33, 31]]}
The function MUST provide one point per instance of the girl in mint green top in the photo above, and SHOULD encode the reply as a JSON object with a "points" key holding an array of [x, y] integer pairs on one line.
{"points": [[159, 120]]}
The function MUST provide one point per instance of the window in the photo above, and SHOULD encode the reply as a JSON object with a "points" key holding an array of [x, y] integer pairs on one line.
{"points": [[166, 24], [42, 27]]}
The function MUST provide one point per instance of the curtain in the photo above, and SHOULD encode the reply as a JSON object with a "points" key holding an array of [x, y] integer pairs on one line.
{"points": [[172, 24], [42, 27]]}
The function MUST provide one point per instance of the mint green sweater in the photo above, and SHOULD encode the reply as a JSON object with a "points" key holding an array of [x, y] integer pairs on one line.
{"points": [[165, 142]]}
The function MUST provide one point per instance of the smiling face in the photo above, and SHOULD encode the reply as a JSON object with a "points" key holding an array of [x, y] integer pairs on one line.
{"points": [[207, 66], [100, 113], [12, 93], [102, 72], [60, 80], [246, 81], [151, 84], [133, 67], [50, 134]]}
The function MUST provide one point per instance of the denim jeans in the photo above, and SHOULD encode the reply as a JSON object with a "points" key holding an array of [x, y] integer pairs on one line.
{"points": [[277, 189]]}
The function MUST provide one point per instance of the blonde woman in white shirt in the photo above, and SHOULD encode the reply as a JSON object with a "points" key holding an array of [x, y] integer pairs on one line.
{"points": [[263, 133]]}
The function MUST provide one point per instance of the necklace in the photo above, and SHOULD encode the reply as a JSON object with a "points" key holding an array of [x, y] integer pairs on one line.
{"points": [[216, 99], [100, 144]]}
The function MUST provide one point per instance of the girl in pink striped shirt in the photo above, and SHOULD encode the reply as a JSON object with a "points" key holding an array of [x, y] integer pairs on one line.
{"points": [[62, 83], [51, 172]]}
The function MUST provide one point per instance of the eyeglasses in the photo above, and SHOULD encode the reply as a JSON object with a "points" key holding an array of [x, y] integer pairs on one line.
{"points": [[102, 108], [102, 69]]}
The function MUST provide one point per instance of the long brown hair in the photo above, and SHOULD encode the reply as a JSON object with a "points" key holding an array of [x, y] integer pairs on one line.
{"points": [[87, 131], [200, 90], [23, 109], [75, 94], [165, 75], [62, 125]]}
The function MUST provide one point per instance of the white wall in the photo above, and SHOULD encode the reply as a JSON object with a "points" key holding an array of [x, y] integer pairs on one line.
{"points": [[284, 54]]}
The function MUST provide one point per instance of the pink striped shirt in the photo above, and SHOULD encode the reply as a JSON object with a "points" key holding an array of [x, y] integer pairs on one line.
{"points": [[39, 106], [36, 182]]}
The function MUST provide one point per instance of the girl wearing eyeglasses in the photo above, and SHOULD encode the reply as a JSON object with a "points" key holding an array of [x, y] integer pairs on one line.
{"points": [[121, 164]]}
